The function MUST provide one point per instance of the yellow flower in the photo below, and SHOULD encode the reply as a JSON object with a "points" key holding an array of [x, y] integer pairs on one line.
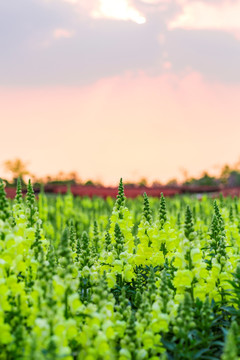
{"points": [[58, 286], [101, 344], [118, 265], [111, 280], [5, 332], [179, 261], [128, 273], [30, 233], [157, 259], [196, 255], [183, 278], [140, 259], [59, 329], [72, 331], [160, 323], [199, 292], [120, 327], [74, 302], [202, 272], [147, 340], [21, 267]]}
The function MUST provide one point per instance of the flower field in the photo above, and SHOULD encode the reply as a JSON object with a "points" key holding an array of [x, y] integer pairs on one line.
{"points": [[94, 279]]}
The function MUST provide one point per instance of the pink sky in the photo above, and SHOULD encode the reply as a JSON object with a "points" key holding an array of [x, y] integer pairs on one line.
{"points": [[120, 88], [129, 126]]}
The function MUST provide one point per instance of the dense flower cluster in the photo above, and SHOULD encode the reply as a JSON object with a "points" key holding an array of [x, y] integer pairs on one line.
{"points": [[88, 279]]}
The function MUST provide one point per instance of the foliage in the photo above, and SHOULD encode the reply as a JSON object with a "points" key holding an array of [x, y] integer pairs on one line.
{"points": [[17, 168], [148, 278]]}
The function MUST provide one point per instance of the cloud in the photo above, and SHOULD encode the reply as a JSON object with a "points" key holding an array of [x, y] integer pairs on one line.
{"points": [[110, 9], [155, 2], [167, 65], [119, 10], [71, 1], [28, 36], [199, 15], [162, 38], [61, 33], [56, 34]]}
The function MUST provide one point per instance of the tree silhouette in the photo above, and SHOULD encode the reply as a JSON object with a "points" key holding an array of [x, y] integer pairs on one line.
{"points": [[17, 168]]}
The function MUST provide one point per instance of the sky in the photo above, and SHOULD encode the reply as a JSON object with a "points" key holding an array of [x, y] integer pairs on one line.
{"points": [[120, 88]]}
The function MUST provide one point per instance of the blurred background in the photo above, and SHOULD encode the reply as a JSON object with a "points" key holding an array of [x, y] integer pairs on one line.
{"points": [[95, 90]]}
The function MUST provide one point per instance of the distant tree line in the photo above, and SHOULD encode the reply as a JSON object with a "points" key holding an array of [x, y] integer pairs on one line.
{"points": [[229, 176]]}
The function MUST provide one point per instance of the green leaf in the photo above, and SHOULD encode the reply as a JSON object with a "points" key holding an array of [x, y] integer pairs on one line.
{"points": [[199, 353]]}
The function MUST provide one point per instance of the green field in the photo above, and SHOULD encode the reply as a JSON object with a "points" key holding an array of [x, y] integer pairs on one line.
{"points": [[148, 278]]}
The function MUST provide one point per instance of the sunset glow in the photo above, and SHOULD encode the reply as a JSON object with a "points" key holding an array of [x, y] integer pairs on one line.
{"points": [[119, 10], [62, 33], [203, 15], [84, 88], [124, 126]]}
